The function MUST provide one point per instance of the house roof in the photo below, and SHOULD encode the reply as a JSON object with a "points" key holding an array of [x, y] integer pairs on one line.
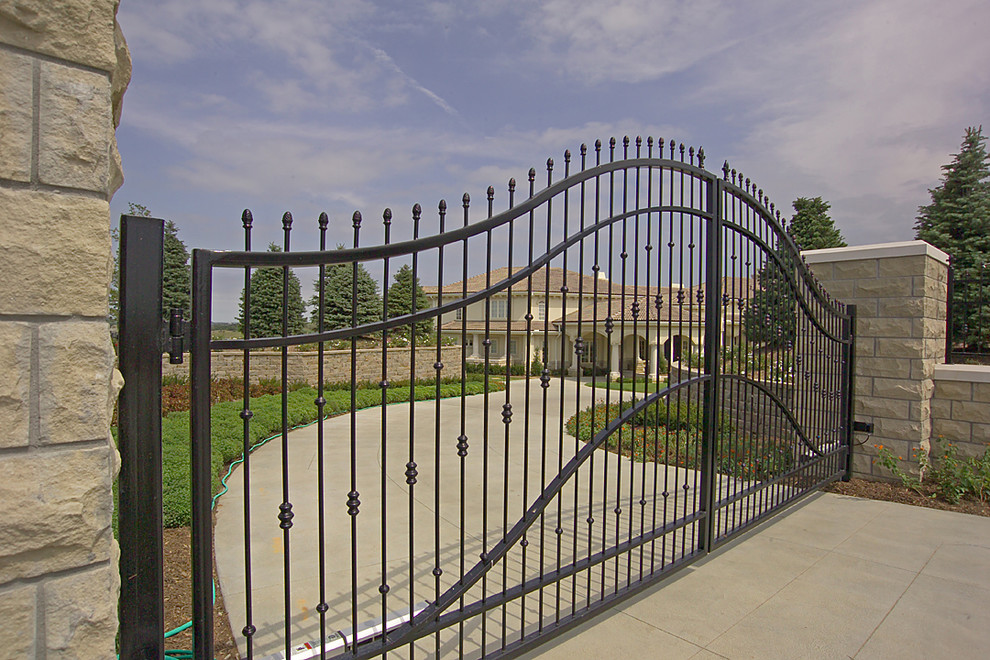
{"points": [[558, 278]]}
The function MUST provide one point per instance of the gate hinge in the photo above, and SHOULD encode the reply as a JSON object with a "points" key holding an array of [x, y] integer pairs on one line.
{"points": [[863, 427], [175, 337]]}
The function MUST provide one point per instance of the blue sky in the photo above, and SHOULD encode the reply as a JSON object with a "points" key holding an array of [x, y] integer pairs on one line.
{"points": [[338, 105]]}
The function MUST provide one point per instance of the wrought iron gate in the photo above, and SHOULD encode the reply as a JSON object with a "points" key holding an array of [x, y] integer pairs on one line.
{"points": [[660, 371]]}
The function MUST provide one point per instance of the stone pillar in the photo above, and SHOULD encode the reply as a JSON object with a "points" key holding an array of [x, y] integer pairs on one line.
{"points": [[653, 352], [900, 292], [63, 70], [476, 346]]}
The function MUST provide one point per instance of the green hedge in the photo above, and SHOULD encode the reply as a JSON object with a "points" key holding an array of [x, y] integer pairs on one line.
{"points": [[227, 431]]}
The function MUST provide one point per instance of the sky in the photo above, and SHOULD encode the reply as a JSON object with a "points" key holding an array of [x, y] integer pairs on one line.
{"points": [[344, 105]]}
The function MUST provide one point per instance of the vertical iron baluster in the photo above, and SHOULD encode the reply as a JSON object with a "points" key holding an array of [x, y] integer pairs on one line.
{"points": [[712, 235], [438, 366], [579, 352], [462, 440], [559, 529], [646, 370], [384, 587], [285, 509], [545, 384], [487, 342], [609, 328], [680, 349], [524, 542], [249, 629], [321, 402], [353, 501], [596, 269], [623, 259], [411, 467], [506, 421]]}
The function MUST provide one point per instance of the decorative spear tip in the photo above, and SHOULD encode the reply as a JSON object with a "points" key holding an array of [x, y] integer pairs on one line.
{"points": [[598, 145], [701, 156], [466, 200], [611, 142], [649, 141], [356, 219], [512, 183], [725, 171], [247, 219], [549, 163], [584, 149], [625, 141], [387, 216], [532, 174], [324, 220], [639, 140], [442, 205], [491, 192], [286, 220], [417, 211], [567, 155]]}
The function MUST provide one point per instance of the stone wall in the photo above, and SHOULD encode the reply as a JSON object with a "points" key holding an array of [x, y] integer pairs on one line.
{"points": [[961, 407], [304, 365], [63, 70], [900, 292]]}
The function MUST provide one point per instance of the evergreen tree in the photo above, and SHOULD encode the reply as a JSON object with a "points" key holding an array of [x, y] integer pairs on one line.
{"points": [[770, 318], [958, 222], [811, 227], [400, 295], [176, 277], [266, 302], [339, 284]]}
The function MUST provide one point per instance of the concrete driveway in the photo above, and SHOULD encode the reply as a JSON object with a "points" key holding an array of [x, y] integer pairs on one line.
{"points": [[837, 577]]}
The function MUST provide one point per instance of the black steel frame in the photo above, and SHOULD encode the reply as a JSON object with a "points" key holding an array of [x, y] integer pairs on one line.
{"points": [[967, 317], [637, 242]]}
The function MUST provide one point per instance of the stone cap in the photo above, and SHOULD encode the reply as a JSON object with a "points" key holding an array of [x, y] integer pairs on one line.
{"points": [[876, 251], [973, 373]]}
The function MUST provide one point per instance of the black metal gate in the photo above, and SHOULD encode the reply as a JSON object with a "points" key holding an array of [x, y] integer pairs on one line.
{"points": [[659, 372]]}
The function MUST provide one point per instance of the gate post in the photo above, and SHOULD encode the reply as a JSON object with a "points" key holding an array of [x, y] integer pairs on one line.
{"points": [[848, 381], [200, 449], [713, 297], [142, 614]]}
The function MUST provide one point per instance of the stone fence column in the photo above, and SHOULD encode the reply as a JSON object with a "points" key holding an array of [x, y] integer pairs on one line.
{"points": [[63, 70], [900, 293]]}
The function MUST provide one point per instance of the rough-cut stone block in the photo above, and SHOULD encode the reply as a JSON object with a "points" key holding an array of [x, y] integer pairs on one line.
{"points": [[951, 430], [899, 428], [980, 435], [981, 391], [76, 30], [883, 367], [81, 614], [823, 271], [901, 266], [891, 347], [16, 92], [76, 128], [17, 614], [55, 511], [922, 368], [888, 287], [862, 465], [941, 408], [901, 307], [841, 289], [75, 368], [865, 346], [971, 411], [77, 242], [953, 389], [852, 270], [881, 407], [15, 385], [884, 327], [897, 388]]}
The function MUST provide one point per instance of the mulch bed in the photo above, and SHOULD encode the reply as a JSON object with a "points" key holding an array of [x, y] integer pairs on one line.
{"points": [[178, 599], [894, 492]]}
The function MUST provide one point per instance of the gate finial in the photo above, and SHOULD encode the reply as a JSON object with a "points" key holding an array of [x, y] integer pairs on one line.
{"points": [[701, 157], [323, 220], [247, 219], [725, 171], [387, 216], [466, 200], [356, 220], [691, 155], [287, 221]]}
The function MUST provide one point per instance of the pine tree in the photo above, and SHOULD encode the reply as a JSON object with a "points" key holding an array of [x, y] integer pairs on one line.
{"points": [[811, 227], [770, 318], [339, 284], [958, 222], [400, 295], [266, 302], [176, 277]]}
